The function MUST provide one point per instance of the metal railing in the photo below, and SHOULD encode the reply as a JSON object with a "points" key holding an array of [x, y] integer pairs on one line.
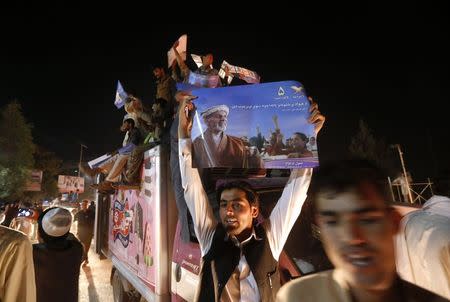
{"points": [[419, 192]]}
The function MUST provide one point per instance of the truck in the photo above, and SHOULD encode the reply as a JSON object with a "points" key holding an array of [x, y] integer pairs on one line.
{"points": [[138, 231]]}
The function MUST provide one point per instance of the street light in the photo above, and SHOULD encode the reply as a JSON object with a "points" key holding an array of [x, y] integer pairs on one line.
{"points": [[404, 171], [81, 156]]}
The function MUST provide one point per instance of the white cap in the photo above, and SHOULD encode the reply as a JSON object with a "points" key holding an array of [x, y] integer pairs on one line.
{"points": [[57, 222], [213, 109]]}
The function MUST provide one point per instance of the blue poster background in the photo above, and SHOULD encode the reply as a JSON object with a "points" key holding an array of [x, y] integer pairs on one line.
{"points": [[254, 106]]}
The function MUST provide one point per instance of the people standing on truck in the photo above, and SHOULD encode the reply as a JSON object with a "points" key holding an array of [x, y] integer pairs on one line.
{"points": [[205, 69], [85, 228], [165, 89], [140, 113], [239, 256], [57, 258], [357, 226]]}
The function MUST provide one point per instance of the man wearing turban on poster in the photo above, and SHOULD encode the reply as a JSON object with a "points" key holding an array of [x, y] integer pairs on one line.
{"points": [[214, 148]]}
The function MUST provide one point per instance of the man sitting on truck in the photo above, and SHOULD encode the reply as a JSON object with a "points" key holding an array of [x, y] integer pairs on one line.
{"points": [[239, 256], [113, 166]]}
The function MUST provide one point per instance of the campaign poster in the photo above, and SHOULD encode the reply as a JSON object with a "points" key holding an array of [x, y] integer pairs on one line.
{"points": [[68, 183], [254, 126], [201, 80], [34, 181], [132, 225]]}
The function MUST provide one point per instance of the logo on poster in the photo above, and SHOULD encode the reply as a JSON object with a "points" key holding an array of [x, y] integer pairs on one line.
{"points": [[121, 222], [297, 89]]}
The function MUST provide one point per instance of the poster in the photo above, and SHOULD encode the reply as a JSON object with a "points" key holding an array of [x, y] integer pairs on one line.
{"points": [[247, 75], [132, 227], [34, 181], [181, 48], [68, 183], [254, 126], [201, 80]]}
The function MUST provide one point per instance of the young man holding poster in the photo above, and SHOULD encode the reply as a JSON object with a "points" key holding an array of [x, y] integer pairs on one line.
{"points": [[239, 257]]}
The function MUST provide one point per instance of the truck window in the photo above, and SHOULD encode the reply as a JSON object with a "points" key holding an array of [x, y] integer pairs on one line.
{"points": [[304, 245]]}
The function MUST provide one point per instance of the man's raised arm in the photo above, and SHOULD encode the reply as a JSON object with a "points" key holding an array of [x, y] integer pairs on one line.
{"points": [[288, 207], [194, 194]]}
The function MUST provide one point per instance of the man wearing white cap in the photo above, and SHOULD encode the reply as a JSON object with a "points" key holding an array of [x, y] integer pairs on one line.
{"points": [[214, 148], [57, 258]]}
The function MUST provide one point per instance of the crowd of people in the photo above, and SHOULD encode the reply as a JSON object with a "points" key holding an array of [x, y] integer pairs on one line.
{"points": [[240, 250], [47, 270]]}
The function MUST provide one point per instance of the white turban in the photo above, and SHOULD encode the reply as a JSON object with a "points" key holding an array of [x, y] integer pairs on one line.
{"points": [[57, 222], [213, 109]]}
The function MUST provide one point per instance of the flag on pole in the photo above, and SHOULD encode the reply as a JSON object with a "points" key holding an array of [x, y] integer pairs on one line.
{"points": [[121, 96]]}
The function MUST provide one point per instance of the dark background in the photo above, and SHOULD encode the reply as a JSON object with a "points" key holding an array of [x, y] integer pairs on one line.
{"points": [[391, 70]]}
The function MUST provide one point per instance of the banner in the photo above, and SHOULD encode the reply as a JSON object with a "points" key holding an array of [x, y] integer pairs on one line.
{"points": [[240, 72], [253, 126], [197, 60], [99, 160], [181, 48], [200, 80], [34, 181], [133, 227], [68, 183], [121, 96]]}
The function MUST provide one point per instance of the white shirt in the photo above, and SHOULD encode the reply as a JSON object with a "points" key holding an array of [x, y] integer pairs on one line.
{"points": [[423, 246], [282, 218]]}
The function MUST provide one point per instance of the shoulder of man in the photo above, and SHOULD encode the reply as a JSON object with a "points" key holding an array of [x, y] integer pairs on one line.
{"points": [[8, 236], [419, 294], [235, 140], [314, 285]]}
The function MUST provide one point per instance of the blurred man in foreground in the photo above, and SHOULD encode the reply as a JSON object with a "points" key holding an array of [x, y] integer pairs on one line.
{"points": [[357, 227]]}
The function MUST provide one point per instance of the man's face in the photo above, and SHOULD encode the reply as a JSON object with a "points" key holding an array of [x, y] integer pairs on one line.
{"points": [[217, 121], [357, 230], [297, 142], [207, 60], [158, 73], [125, 127], [235, 211], [84, 205]]}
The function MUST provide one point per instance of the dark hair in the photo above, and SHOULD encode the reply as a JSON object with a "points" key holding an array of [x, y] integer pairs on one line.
{"points": [[130, 98], [130, 121], [340, 176], [162, 102], [50, 240], [302, 136], [250, 194]]}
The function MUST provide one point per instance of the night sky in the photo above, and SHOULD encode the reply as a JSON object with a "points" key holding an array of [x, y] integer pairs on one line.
{"points": [[393, 74]]}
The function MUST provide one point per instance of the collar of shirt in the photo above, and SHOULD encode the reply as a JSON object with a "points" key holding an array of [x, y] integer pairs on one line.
{"points": [[241, 244]]}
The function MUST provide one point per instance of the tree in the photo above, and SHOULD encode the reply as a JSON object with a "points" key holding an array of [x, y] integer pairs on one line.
{"points": [[16, 151], [366, 146], [51, 167]]}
